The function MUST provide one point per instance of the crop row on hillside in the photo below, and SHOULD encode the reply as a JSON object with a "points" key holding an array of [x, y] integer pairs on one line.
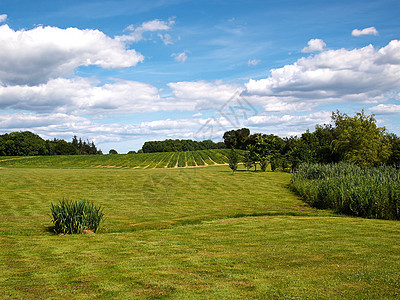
{"points": [[140, 160]]}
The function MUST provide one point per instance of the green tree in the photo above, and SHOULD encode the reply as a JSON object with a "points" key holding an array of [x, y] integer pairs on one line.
{"points": [[360, 141], [23, 143], [394, 159], [236, 138], [233, 160], [264, 149], [112, 151]]}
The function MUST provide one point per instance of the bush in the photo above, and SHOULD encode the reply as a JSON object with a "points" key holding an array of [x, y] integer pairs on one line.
{"points": [[75, 217], [349, 189]]}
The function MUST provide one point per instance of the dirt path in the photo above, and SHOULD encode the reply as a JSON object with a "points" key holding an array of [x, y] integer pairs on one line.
{"points": [[209, 157], [177, 161]]}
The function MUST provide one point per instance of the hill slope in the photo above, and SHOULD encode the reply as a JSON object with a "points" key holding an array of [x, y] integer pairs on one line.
{"points": [[140, 160]]}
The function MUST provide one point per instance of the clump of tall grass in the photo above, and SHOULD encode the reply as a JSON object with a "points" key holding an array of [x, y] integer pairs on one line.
{"points": [[349, 189], [74, 217]]}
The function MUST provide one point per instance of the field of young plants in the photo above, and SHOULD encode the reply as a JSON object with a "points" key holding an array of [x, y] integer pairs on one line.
{"points": [[139, 160], [184, 233]]}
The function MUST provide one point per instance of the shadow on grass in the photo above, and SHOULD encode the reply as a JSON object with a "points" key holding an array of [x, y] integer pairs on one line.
{"points": [[50, 229]]}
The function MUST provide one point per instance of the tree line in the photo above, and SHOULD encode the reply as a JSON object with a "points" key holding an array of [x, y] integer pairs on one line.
{"points": [[356, 140], [177, 145], [27, 143]]}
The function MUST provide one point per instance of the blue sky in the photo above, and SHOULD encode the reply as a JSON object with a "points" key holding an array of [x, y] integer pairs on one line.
{"points": [[125, 72]]}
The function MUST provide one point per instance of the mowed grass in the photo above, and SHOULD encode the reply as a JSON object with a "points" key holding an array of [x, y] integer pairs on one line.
{"points": [[185, 234]]}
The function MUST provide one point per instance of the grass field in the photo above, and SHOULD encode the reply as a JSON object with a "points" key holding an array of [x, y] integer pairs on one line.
{"points": [[186, 233]]}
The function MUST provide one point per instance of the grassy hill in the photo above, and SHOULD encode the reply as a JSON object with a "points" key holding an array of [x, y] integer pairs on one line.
{"points": [[140, 160], [187, 233]]}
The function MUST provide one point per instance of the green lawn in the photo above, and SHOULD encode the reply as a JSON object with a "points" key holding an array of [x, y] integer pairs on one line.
{"points": [[188, 233]]}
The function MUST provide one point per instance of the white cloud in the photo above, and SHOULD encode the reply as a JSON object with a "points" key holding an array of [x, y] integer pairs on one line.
{"points": [[314, 45], [137, 33], [85, 96], [203, 94], [37, 55], [276, 104], [307, 121], [18, 121], [253, 62], [166, 38], [365, 31], [360, 75], [3, 18], [386, 109], [180, 57]]}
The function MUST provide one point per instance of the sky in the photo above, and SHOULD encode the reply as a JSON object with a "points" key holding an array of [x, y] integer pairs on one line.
{"points": [[122, 72]]}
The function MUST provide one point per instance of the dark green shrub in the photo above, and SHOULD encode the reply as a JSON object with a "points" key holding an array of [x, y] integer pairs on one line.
{"points": [[75, 217]]}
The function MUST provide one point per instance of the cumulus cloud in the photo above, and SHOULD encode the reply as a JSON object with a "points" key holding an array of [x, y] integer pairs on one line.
{"points": [[386, 109], [3, 18], [136, 34], [65, 126], [203, 94], [37, 55], [180, 57], [253, 62], [291, 120], [365, 31], [18, 121], [85, 96], [314, 45], [276, 104], [363, 75]]}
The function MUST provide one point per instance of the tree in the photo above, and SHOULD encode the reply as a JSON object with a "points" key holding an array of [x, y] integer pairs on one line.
{"points": [[248, 160], [236, 138], [29, 144], [394, 159], [170, 145], [360, 141], [62, 147], [112, 151], [233, 160], [23, 143], [264, 149]]}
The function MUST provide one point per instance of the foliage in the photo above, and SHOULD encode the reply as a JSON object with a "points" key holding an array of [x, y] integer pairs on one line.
{"points": [[394, 159], [350, 189], [22, 144], [112, 151], [233, 160], [263, 149], [29, 144], [71, 217], [179, 146], [360, 141], [355, 139], [236, 138]]}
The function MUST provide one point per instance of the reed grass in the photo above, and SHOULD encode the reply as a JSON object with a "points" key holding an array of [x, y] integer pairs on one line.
{"points": [[349, 189], [71, 217]]}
